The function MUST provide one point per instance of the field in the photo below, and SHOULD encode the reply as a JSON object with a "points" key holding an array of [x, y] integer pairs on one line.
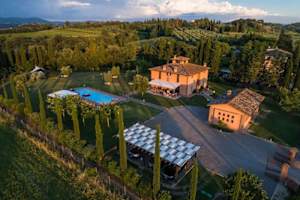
{"points": [[193, 35], [26, 172]]}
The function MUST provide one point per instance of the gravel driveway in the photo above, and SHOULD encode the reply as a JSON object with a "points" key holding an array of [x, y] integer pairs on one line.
{"points": [[221, 153]]}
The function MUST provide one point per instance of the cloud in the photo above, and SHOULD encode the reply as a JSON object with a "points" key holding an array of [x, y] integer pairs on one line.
{"points": [[73, 4], [172, 8]]}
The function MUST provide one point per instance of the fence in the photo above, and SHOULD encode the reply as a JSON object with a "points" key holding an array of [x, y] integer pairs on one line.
{"points": [[112, 182]]}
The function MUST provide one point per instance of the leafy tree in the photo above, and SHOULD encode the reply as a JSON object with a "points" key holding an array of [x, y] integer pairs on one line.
{"points": [[28, 104], [290, 100], [194, 181], [285, 41], [72, 110], [106, 112], [140, 84], [99, 138], [297, 66], [243, 185], [156, 167], [13, 90], [122, 142], [66, 71], [42, 109]]}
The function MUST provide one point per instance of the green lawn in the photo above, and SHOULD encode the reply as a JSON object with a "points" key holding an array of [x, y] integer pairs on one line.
{"points": [[79, 79], [27, 172], [219, 87], [278, 125], [168, 103]]}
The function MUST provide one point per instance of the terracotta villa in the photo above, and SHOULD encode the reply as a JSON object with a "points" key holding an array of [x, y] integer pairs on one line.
{"points": [[236, 109], [178, 78]]}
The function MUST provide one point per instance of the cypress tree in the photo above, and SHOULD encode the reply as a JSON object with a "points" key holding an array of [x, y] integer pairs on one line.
{"points": [[122, 143], [288, 73], [27, 99], [237, 185], [156, 167], [75, 121], [42, 113], [194, 181], [99, 138], [13, 90], [297, 82], [4, 91], [59, 113]]}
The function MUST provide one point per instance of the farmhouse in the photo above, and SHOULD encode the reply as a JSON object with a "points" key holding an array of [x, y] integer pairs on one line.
{"points": [[178, 78], [276, 59], [235, 109]]}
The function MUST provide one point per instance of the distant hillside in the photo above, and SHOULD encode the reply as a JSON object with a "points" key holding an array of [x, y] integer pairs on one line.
{"points": [[6, 22], [293, 27]]}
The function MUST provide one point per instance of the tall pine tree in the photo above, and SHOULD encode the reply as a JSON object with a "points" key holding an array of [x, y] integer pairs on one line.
{"points": [[42, 109], [99, 138], [156, 167], [122, 142], [194, 181]]}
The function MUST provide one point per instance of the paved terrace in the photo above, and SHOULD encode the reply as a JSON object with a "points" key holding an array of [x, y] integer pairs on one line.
{"points": [[221, 153]]}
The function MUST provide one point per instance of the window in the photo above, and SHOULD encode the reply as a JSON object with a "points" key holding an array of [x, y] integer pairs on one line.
{"points": [[223, 119], [219, 113], [231, 121], [232, 117], [224, 114], [159, 75], [228, 115], [227, 120], [177, 78]]}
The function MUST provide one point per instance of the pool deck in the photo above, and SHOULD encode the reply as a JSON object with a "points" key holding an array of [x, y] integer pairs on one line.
{"points": [[116, 98]]}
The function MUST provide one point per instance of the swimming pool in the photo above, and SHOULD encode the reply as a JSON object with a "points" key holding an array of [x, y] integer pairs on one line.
{"points": [[95, 96]]}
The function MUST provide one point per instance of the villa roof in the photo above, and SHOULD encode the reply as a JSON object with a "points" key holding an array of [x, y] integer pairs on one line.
{"points": [[172, 149], [183, 69], [183, 58], [246, 101]]}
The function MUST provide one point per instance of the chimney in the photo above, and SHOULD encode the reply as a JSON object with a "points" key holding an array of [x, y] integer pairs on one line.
{"points": [[205, 65], [164, 67], [229, 93]]}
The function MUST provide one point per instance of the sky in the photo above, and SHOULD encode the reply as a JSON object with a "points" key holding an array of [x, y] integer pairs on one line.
{"points": [[281, 11]]}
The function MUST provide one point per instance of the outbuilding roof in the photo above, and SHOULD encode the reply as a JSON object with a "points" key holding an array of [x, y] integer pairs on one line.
{"points": [[172, 149], [245, 100]]}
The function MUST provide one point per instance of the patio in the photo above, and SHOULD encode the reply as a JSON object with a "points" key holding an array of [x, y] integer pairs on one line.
{"points": [[176, 155], [164, 88]]}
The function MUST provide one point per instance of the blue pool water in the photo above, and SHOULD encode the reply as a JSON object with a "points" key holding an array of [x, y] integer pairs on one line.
{"points": [[94, 95]]}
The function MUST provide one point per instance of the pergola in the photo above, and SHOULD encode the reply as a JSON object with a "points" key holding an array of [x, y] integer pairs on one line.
{"points": [[176, 155], [164, 88]]}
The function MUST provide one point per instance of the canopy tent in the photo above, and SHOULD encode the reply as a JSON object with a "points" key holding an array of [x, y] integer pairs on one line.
{"points": [[62, 94], [172, 149], [164, 84]]}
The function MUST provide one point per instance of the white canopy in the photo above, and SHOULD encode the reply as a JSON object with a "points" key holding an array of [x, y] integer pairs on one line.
{"points": [[62, 94], [164, 84], [172, 149]]}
